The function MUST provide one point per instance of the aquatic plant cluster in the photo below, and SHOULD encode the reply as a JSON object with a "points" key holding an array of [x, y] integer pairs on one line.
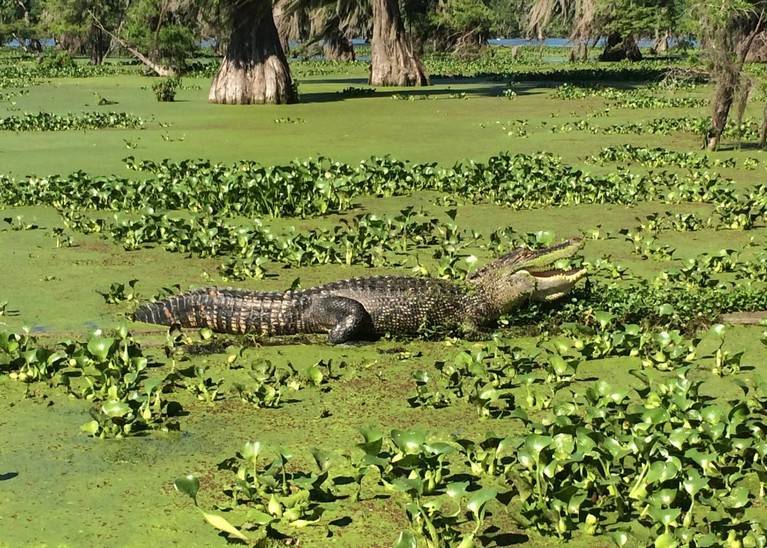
{"points": [[661, 460], [645, 97], [321, 186], [661, 157], [748, 129], [48, 121]]}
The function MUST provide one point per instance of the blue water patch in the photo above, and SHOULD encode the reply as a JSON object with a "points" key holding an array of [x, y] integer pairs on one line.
{"points": [[566, 42]]}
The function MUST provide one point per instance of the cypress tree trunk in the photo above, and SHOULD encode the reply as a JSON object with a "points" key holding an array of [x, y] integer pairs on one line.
{"points": [[338, 48], [580, 53], [619, 48], [728, 56], [280, 21], [724, 95], [99, 46], [254, 69], [392, 59], [661, 43]]}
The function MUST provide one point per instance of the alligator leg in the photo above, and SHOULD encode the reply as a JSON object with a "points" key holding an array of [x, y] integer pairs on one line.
{"points": [[346, 319]]}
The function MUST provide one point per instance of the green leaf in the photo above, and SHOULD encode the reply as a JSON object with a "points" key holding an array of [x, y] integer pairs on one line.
{"points": [[620, 538], [694, 482], [661, 472], [301, 523], [738, 498], [114, 409], [420, 376], [99, 347], [664, 516], [564, 445], [478, 500], [544, 237], [371, 434], [406, 539], [603, 318], [258, 517], [440, 448], [251, 450], [665, 310], [718, 330], [321, 458], [188, 485], [409, 441], [413, 486], [456, 489], [666, 540], [535, 444], [223, 525], [314, 375], [91, 427]]}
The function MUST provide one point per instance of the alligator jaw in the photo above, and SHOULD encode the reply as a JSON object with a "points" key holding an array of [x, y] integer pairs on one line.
{"points": [[553, 283], [544, 258], [550, 285], [523, 259]]}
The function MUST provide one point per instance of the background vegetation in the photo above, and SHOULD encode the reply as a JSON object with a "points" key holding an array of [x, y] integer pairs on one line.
{"points": [[626, 414]]}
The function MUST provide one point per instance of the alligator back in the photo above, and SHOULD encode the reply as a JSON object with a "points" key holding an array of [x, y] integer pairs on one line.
{"points": [[401, 304]]}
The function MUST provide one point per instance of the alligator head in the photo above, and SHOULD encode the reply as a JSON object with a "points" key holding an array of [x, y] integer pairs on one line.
{"points": [[526, 274]]}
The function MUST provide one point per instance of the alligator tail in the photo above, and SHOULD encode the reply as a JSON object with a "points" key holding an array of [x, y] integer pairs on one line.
{"points": [[225, 311], [186, 310]]}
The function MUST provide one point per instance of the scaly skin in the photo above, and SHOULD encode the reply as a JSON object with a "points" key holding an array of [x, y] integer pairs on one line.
{"points": [[366, 308]]}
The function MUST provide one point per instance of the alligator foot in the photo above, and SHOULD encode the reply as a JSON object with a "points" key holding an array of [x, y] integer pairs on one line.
{"points": [[347, 319]]}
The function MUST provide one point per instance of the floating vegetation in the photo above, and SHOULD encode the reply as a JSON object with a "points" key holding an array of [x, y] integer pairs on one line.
{"points": [[48, 121], [645, 97]]}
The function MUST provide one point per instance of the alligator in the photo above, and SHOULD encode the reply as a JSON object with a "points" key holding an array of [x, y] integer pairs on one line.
{"points": [[367, 308]]}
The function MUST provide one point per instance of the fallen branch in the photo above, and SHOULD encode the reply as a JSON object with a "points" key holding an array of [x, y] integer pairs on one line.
{"points": [[160, 70]]}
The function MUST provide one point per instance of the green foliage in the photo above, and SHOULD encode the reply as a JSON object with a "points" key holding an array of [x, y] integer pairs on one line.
{"points": [[466, 22], [165, 89], [121, 292], [57, 61], [74, 19], [21, 19], [644, 97], [660, 157], [167, 33], [274, 497], [110, 371], [352, 91], [48, 121], [316, 187]]}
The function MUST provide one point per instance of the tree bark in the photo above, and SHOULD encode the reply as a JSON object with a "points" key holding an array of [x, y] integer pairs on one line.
{"points": [[723, 97], [660, 44], [254, 69], [742, 94], [99, 46], [338, 48], [763, 128], [281, 22], [727, 68], [580, 53], [393, 61], [619, 48]]}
